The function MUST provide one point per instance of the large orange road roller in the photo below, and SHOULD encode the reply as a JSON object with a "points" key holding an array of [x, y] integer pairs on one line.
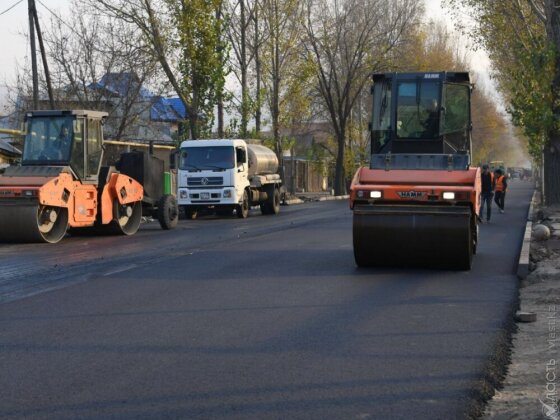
{"points": [[417, 202], [61, 184]]}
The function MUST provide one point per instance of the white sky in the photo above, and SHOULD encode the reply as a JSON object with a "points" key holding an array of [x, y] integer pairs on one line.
{"points": [[14, 26]]}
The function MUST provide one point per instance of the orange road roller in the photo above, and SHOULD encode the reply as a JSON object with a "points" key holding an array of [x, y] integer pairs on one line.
{"points": [[61, 183], [417, 202]]}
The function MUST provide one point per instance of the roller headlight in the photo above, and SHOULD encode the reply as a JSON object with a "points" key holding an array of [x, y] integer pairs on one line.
{"points": [[375, 194], [449, 196]]}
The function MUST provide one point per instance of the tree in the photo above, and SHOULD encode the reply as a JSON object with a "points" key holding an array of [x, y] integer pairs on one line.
{"points": [[523, 41], [285, 75], [97, 49], [243, 17], [198, 25], [347, 41]]}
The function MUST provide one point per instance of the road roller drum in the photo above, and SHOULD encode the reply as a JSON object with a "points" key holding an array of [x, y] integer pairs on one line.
{"points": [[390, 235]]}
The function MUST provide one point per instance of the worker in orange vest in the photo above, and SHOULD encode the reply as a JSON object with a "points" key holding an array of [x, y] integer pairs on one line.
{"points": [[501, 188], [486, 193]]}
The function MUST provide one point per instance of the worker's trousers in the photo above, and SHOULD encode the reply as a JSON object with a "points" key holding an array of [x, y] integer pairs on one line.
{"points": [[486, 198], [500, 199]]}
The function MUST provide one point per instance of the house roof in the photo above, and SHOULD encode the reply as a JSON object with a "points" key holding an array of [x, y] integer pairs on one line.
{"points": [[162, 109], [119, 84], [178, 106]]}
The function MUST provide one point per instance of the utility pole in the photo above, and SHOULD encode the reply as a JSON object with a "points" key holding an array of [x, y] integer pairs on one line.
{"points": [[31, 10], [34, 24], [43, 56]]}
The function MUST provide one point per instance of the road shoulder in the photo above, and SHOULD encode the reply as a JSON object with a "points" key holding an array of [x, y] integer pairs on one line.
{"points": [[532, 385]]}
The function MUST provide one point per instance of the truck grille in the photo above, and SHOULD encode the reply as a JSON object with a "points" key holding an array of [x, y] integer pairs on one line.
{"points": [[205, 181]]}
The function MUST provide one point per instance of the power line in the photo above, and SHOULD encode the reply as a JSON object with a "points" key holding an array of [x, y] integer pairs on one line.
{"points": [[58, 17], [10, 8]]}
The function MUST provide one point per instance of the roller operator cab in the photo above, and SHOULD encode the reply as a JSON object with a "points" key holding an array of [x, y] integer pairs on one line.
{"points": [[227, 176], [417, 202], [61, 184]]}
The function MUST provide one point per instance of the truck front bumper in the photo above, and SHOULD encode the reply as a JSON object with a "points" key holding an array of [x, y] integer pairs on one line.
{"points": [[207, 197]]}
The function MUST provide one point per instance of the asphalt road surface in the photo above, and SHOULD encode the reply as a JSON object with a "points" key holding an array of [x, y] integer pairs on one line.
{"points": [[263, 318]]}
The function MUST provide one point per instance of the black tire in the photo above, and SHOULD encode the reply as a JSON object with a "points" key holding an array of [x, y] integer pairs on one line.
{"points": [[274, 201], [168, 212], [243, 208]]}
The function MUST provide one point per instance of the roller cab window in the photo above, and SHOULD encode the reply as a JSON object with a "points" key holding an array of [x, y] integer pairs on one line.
{"points": [[418, 109], [381, 123], [48, 141]]}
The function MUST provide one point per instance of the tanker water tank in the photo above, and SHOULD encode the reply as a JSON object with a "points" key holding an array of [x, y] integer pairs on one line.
{"points": [[262, 160]]}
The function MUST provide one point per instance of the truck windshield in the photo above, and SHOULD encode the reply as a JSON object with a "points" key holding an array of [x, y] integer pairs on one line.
{"points": [[48, 139], [418, 110], [207, 158]]}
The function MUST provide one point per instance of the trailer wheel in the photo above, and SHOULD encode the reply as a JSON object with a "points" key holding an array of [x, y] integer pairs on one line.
{"points": [[168, 213], [243, 208]]}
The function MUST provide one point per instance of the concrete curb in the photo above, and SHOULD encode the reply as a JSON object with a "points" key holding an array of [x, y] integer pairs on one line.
{"points": [[334, 197], [523, 264], [293, 201]]}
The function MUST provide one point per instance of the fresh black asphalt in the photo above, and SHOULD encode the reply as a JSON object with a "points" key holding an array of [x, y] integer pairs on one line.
{"points": [[264, 318]]}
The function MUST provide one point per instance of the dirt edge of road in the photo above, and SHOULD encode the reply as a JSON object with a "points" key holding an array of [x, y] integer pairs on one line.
{"points": [[530, 388]]}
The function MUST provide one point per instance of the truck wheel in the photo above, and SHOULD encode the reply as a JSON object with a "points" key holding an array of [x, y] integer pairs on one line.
{"points": [[274, 205], [243, 208], [168, 213]]}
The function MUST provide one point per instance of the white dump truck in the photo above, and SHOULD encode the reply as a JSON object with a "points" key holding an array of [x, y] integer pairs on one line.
{"points": [[224, 176]]}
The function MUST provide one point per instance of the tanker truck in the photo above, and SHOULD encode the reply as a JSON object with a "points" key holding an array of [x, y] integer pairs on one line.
{"points": [[227, 176]]}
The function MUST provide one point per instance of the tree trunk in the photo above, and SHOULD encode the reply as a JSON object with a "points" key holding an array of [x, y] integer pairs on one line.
{"points": [[551, 169], [220, 98], [551, 152], [243, 65], [257, 72], [339, 179]]}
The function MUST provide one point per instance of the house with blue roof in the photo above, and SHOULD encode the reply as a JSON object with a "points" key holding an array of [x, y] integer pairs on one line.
{"points": [[135, 113]]}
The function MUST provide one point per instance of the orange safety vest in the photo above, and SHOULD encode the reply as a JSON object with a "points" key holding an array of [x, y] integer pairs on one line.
{"points": [[500, 183]]}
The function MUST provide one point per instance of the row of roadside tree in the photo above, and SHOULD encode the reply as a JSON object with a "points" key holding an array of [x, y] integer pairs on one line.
{"points": [[242, 67]]}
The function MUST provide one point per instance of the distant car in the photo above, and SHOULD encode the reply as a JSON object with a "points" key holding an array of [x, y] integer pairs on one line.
{"points": [[515, 175]]}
